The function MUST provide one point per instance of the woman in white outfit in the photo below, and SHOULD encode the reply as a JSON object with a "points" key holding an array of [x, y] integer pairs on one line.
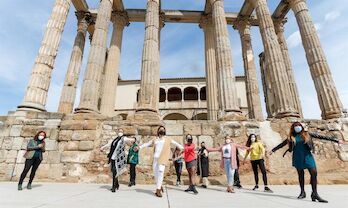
{"points": [[161, 156]]}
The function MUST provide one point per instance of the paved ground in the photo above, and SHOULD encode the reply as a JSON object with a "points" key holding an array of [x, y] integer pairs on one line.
{"points": [[97, 195]]}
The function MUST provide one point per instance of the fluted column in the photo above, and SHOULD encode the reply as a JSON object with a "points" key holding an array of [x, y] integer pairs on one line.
{"points": [[68, 95], [35, 97], [210, 68], [284, 105], [96, 60], [252, 87], [329, 101], [279, 29], [267, 87], [120, 20], [150, 70], [228, 99]]}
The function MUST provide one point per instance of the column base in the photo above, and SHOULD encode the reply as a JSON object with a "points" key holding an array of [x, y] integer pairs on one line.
{"points": [[287, 115], [332, 115], [28, 106], [233, 116], [145, 116], [86, 110]]}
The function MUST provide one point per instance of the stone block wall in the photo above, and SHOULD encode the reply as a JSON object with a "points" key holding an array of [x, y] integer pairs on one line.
{"points": [[73, 147]]}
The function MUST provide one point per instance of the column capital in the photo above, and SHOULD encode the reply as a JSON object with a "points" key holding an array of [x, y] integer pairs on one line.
{"points": [[279, 24], [242, 24], [205, 21], [161, 20], [120, 18], [294, 2]]}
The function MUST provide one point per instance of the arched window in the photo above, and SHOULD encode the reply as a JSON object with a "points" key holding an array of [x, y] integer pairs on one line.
{"points": [[200, 116], [174, 94], [175, 116], [203, 93], [190, 93], [162, 96]]}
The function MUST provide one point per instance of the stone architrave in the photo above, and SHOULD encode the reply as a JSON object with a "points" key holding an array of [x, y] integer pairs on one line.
{"points": [[35, 97]]}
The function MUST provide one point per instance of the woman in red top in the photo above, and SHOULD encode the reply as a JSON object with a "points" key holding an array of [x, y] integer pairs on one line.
{"points": [[191, 162]]}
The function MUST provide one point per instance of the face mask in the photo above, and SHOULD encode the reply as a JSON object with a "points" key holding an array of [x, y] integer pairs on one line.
{"points": [[189, 140], [120, 134], [228, 141], [298, 129], [41, 137], [253, 139], [162, 132]]}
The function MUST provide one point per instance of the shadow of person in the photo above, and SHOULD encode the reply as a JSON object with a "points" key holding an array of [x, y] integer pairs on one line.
{"points": [[36, 185], [107, 187], [273, 195], [145, 191]]}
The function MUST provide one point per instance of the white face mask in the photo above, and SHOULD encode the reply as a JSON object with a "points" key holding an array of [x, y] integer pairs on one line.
{"points": [[41, 137], [298, 129], [228, 141], [120, 134], [253, 139]]}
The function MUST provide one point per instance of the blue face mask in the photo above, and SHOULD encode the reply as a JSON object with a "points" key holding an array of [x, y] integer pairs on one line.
{"points": [[298, 129]]}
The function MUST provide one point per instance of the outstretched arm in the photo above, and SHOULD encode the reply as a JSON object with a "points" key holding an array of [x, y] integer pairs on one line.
{"points": [[323, 137], [177, 144], [147, 144], [279, 146], [217, 149], [108, 145]]}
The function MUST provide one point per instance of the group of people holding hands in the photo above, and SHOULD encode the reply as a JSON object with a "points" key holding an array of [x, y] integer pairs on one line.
{"points": [[299, 143]]}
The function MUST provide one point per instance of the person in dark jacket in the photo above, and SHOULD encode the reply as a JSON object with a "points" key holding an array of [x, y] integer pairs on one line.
{"points": [[33, 156], [301, 145], [117, 157], [133, 160], [203, 164]]}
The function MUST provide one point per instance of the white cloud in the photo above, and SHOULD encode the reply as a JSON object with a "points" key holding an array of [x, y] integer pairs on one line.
{"points": [[331, 16], [294, 39]]}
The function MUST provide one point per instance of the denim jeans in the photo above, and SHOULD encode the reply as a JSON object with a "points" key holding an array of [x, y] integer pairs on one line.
{"points": [[229, 171]]}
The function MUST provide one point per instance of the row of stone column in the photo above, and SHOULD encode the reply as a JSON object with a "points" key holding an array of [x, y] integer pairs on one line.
{"points": [[221, 86]]}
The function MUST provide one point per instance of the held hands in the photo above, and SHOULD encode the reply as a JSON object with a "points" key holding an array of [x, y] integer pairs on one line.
{"points": [[270, 153], [40, 145], [136, 149]]}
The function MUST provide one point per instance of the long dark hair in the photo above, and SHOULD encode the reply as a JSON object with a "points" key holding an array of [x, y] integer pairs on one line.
{"points": [[303, 133], [36, 137], [248, 143], [159, 129]]}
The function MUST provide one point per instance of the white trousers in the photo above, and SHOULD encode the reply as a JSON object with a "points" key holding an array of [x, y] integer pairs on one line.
{"points": [[158, 172]]}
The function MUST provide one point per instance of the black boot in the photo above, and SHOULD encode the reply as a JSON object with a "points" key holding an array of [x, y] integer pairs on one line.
{"points": [[20, 188], [302, 195], [315, 197], [194, 189], [190, 188]]}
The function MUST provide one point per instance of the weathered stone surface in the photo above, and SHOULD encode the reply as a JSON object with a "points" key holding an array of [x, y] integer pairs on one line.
{"points": [[30, 130], [7, 143], [107, 127], [17, 143], [76, 156], [129, 130], [56, 171], [76, 170], [16, 130], [51, 145], [208, 140], [71, 146], [53, 157], [34, 122], [72, 125], [174, 129], [65, 135], [86, 135], [11, 156], [210, 129], [86, 145], [52, 122], [193, 129], [3, 155], [20, 158], [144, 130]]}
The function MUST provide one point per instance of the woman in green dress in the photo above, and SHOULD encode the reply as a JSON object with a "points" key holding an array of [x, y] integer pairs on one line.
{"points": [[301, 145]]}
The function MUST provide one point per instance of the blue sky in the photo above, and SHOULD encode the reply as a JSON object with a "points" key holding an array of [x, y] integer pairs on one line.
{"points": [[182, 47]]}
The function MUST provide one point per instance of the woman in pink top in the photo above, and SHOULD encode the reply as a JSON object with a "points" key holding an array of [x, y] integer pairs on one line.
{"points": [[228, 159], [191, 163]]}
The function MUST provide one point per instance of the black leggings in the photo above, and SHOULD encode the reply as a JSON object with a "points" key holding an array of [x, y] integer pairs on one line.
{"points": [[30, 163], [133, 172], [261, 164], [115, 183], [178, 170], [236, 178], [313, 172]]}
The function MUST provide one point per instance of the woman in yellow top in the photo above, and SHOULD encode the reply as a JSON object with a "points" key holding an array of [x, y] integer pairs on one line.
{"points": [[257, 153]]}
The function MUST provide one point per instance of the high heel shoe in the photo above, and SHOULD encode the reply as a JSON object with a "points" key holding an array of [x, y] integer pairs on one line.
{"points": [[315, 197], [302, 195]]}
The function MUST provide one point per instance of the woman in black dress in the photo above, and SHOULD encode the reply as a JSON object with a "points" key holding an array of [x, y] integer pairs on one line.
{"points": [[203, 164]]}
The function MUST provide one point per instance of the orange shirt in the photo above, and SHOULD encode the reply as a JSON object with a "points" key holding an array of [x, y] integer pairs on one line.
{"points": [[189, 152]]}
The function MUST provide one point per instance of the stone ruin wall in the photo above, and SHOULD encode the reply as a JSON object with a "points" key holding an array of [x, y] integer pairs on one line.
{"points": [[73, 155]]}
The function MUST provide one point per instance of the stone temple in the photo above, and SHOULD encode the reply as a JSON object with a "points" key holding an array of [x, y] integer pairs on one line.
{"points": [[223, 104]]}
